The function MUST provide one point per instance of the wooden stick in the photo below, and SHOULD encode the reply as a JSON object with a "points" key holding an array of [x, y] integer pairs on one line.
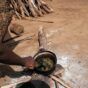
{"points": [[42, 38], [60, 81], [21, 6], [31, 9], [25, 9], [18, 15], [14, 5]]}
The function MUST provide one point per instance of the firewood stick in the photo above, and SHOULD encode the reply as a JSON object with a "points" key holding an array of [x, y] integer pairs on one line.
{"points": [[21, 8], [41, 4], [45, 6], [31, 8], [42, 38], [39, 13], [25, 9], [60, 81], [46, 9], [14, 5], [34, 8], [43, 11], [39, 7], [18, 15], [22, 12], [51, 10]]}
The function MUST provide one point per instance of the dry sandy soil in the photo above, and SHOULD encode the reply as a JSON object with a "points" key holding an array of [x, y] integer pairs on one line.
{"points": [[67, 37]]}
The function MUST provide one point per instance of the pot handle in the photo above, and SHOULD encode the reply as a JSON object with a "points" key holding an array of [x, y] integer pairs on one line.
{"points": [[42, 39]]}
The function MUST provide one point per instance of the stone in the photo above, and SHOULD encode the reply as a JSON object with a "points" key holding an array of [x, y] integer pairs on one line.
{"points": [[16, 29]]}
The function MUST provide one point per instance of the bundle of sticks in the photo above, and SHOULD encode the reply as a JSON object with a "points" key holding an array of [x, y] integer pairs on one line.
{"points": [[26, 8]]}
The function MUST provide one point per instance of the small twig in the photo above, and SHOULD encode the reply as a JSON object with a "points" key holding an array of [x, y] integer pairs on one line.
{"points": [[42, 21]]}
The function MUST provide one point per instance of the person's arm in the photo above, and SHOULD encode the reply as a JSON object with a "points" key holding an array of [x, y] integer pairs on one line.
{"points": [[11, 58]]}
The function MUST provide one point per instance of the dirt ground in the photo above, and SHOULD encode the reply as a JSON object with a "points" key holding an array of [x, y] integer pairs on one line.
{"points": [[67, 37]]}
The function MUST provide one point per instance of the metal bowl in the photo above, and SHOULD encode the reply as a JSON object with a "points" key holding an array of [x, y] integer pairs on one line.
{"points": [[45, 54]]}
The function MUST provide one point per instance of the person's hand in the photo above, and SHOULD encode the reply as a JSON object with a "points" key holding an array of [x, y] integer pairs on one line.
{"points": [[29, 62]]}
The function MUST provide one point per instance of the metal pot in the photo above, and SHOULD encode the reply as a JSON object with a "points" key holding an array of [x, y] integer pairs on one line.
{"points": [[46, 54]]}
